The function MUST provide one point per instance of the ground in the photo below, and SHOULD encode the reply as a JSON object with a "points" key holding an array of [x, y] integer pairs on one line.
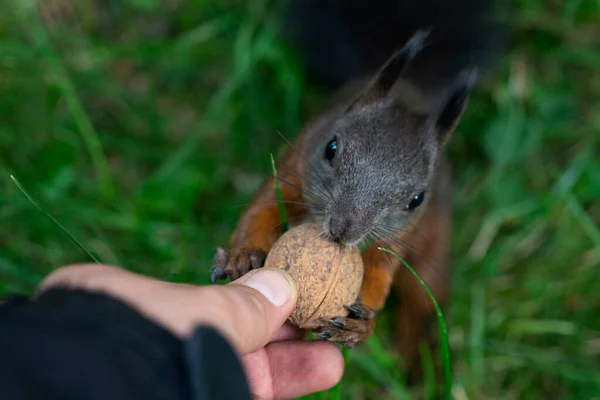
{"points": [[144, 128]]}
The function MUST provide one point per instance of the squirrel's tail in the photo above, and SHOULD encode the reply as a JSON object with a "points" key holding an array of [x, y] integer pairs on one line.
{"points": [[340, 40]]}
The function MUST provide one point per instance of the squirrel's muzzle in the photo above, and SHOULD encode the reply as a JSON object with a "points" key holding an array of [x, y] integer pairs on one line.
{"points": [[348, 228], [339, 229]]}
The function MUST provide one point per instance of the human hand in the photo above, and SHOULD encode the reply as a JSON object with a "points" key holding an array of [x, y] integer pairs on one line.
{"points": [[250, 312]]}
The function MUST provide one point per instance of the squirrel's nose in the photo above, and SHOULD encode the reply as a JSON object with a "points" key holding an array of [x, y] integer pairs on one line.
{"points": [[338, 229]]}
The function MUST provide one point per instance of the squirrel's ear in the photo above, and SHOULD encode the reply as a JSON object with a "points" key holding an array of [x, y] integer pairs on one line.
{"points": [[454, 107], [395, 66]]}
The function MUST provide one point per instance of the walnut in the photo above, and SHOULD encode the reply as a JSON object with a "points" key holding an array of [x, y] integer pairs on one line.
{"points": [[328, 275]]}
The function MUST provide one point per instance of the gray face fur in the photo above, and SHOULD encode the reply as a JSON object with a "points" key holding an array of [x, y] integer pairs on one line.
{"points": [[385, 157], [388, 141]]}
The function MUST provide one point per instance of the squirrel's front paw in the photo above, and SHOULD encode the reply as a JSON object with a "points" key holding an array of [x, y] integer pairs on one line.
{"points": [[349, 330], [235, 263]]}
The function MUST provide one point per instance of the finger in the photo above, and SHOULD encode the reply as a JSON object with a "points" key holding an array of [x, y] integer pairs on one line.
{"points": [[248, 312], [293, 369], [288, 332], [106, 279], [255, 307]]}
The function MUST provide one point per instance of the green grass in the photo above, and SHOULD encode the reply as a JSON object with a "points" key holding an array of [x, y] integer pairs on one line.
{"points": [[58, 224], [444, 347], [143, 145]]}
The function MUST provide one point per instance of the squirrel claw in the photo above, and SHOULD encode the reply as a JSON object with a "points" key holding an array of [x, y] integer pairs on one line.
{"points": [[219, 264], [216, 274], [358, 311], [337, 321], [235, 263], [323, 334], [348, 331]]}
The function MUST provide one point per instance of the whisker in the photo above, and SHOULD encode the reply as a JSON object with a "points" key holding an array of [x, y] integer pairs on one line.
{"points": [[320, 198], [413, 229], [412, 249], [307, 163], [252, 233], [392, 237], [381, 241], [394, 265], [289, 219], [302, 203], [392, 231], [418, 252], [301, 190], [321, 189]]}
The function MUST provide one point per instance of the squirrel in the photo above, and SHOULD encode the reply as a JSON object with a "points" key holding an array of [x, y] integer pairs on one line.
{"points": [[371, 167]]}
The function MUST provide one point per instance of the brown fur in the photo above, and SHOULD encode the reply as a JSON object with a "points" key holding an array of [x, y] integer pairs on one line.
{"points": [[391, 145]]}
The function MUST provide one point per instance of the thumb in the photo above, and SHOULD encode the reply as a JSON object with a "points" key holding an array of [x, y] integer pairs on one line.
{"points": [[259, 303]]}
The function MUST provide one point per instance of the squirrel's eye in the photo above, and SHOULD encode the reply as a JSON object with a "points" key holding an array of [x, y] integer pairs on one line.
{"points": [[331, 149], [416, 201]]}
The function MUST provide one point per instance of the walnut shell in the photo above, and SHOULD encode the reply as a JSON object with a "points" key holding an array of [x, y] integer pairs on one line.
{"points": [[328, 276]]}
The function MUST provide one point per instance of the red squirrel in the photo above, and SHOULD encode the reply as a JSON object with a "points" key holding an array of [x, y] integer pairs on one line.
{"points": [[371, 168]]}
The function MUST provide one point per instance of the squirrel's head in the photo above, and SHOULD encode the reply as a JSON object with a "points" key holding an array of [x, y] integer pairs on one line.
{"points": [[370, 167]]}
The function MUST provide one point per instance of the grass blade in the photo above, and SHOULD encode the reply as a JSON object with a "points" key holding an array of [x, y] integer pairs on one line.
{"points": [[477, 336], [586, 222], [41, 37], [429, 380], [445, 347], [62, 228], [282, 216]]}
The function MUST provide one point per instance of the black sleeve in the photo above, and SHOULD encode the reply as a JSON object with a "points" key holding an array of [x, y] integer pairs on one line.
{"points": [[71, 344]]}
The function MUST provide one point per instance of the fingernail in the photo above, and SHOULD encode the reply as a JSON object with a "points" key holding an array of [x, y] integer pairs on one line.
{"points": [[275, 284]]}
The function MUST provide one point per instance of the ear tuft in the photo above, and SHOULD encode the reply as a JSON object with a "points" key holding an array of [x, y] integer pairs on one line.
{"points": [[400, 60], [455, 105], [393, 69]]}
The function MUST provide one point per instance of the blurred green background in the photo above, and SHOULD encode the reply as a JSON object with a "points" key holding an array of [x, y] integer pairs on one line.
{"points": [[144, 126]]}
